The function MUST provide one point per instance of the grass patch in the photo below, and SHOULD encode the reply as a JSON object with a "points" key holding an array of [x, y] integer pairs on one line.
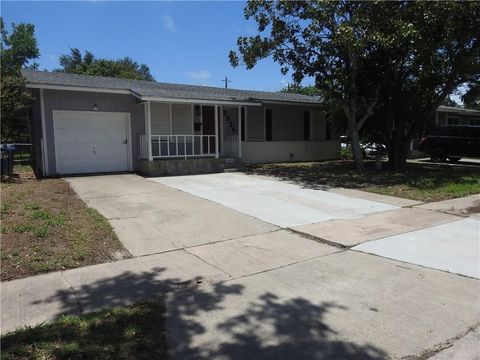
{"points": [[132, 332], [46, 227], [422, 182]]}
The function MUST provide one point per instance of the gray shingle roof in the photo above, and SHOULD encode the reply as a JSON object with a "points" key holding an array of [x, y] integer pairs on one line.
{"points": [[165, 90], [457, 110]]}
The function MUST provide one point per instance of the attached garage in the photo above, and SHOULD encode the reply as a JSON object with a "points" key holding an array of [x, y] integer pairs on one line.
{"points": [[92, 142]]}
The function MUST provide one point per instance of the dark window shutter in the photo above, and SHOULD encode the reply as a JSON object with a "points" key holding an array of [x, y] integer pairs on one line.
{"points": [[306, 125], [268, 125]]}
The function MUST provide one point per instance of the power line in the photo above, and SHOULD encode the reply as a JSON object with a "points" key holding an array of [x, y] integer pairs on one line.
{"points": [[279, 86], [226, 81]]}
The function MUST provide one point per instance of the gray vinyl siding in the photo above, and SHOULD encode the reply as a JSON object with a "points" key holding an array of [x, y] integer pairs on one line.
{"points": [[182, 119], [287, 123], [84, 101], [36, 128], [318, 125], [255, 123], [160, 118]]}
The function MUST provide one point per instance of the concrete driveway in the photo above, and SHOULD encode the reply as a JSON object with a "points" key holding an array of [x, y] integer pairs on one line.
{"points": [[276, 202], [150, 218]]}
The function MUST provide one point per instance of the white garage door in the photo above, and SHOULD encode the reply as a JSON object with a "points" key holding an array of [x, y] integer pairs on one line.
{"points": [[89, 142]]}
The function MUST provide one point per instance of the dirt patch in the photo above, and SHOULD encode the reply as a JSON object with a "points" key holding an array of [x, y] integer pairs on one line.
{"points": [[46, 227], [475, 209]]}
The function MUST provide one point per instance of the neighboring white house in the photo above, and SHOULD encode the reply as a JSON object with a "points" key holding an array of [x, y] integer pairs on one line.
{"points": [[92, 124]]}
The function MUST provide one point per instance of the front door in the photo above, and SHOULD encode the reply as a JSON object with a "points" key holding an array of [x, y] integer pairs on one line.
{"points": [[208, 128]]}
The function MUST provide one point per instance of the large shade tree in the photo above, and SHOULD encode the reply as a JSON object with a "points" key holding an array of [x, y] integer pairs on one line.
{"points": [[390, 63], [333, 42], [18, 49], [87, 64]]}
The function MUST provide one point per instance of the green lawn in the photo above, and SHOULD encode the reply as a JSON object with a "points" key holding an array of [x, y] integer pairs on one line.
{"points": [[422, 182], [132, 332], [46, 227]]}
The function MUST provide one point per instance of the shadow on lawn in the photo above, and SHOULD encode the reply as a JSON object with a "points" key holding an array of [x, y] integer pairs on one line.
{"points": [[202, 322], [328, 174]]}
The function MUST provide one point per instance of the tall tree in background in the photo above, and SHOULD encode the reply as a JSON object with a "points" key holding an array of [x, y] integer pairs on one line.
{"points": [[18, 50], [87, 64], [333, 42], [438, 53], [471, 98]]}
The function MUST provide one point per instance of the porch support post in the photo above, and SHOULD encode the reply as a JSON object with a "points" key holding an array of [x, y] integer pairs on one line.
{"points": [[148, 130], [239, 131], [216, 132], [222, 146]]}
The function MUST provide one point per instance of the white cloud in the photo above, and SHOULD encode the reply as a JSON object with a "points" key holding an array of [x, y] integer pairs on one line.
{"points": [[199, 75], [168, 23]]}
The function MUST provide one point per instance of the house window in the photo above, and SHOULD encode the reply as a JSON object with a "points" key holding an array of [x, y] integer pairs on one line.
{"points": [[268, 125], [306, 125], [453, 121], [243, 123]]}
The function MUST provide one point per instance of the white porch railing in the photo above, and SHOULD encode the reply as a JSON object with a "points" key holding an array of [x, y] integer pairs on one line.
{"points": [[231, 146], [168, 146]]}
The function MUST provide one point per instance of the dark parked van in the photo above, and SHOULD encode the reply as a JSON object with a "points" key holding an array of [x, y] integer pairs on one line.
{"points": [[452, 142]]}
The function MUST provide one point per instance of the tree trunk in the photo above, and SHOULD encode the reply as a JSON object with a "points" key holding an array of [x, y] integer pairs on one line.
{"points": [[356, 149]]}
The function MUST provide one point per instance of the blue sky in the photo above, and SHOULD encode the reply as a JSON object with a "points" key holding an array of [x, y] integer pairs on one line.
{"points": [[183, 42]]}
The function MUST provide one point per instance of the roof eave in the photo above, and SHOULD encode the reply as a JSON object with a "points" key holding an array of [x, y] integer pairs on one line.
{"points": [[299, 103], [81, 88], [200, 101]]}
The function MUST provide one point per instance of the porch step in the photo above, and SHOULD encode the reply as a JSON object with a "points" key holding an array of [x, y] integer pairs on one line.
{"points": [[233, 164]]}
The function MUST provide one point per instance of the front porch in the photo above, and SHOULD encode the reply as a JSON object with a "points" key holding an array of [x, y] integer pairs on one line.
{"points": [[175, 131], [194, 138]]}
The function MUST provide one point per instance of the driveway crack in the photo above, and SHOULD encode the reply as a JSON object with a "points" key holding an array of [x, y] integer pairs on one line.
{"points": [[205, 261]]}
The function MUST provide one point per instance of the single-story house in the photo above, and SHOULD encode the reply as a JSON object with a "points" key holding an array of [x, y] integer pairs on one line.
{"points": [[92, 124], [454, 116]]}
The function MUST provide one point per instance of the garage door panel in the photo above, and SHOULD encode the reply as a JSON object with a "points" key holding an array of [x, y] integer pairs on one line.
{"points": [[87, 142]]}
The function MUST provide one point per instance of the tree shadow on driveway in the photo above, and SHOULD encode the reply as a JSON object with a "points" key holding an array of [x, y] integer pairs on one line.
{"points": [[202, 323]]}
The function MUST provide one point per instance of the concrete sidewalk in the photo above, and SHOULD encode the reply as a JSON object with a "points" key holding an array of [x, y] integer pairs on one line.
{"points": [[348, 233], [36, 299], [452, 247], [321, 303]]}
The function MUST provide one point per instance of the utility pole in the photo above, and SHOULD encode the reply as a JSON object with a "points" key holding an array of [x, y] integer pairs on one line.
{"points": [[226, 81]]}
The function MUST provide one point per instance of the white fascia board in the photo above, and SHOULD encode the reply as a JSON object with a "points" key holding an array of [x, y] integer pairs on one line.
{"points": [[198, 101], [273, 102], [82, 88]]}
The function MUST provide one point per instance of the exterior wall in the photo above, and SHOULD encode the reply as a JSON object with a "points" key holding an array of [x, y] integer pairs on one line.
{"points": [[287, 123], [138, 123], [160, 118], [284, 151], [182, 119], [255, 128], [288, 142], [84, 101], [36, 128]]}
